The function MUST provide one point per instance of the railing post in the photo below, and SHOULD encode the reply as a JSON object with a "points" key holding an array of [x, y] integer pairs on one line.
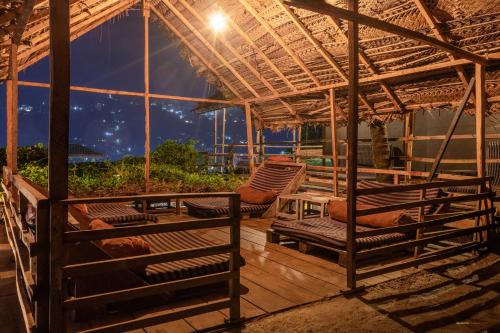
{"points": [[42, 266], [234, 262]]}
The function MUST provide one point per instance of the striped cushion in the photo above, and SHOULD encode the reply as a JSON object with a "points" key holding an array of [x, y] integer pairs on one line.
{"points": [[332, 233], [493, 169], [219, 206], [384, 199], [181, 269], [115, 213], [273, 177]]}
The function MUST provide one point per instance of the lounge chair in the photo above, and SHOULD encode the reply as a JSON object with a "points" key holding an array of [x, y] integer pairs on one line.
{"points": [[156, 273], [283, 177]]}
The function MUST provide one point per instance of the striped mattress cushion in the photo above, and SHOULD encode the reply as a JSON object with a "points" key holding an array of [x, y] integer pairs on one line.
{"points": [[181, 269], [115, 213], [384, 199], [326, 231], [273, 177], [220, 206]]}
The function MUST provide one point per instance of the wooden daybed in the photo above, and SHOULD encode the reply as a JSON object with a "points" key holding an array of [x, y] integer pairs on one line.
{"points": [[332, 235]]}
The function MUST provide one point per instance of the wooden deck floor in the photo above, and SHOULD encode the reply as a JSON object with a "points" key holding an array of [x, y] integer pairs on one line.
{"points": [[275, 278]]}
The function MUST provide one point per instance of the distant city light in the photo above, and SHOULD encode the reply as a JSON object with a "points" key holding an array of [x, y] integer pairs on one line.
{"points": [[218, 22]]}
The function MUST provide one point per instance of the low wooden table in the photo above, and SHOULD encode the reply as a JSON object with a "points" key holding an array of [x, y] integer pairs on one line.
{"points": [[301, 200]]}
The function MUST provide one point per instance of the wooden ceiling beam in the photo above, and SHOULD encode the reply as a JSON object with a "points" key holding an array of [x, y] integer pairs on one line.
{"points": [[209, 46], [234, 52], [280, 41], [261, 53], [22, 20], [426, 70], [198, 53], [371, 67], [433, 24], [322, 51], [327, 9], [242, 60]]}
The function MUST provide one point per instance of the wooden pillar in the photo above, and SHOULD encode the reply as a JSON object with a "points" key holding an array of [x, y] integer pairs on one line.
{"points": [[333, 127], [248, 120], [352, 139], [480, 119], [58, 153], [409, 126], [299, 143], [216, 150], [147, 144], [12, 110], [223, 150]]}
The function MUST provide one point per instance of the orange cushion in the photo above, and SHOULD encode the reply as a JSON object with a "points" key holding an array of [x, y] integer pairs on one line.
{"points": [[83, 208], [280, 158], [254, 196], [338, 211], [122, 247]]}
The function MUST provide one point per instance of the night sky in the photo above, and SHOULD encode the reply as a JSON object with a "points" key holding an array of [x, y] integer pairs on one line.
{"points": [[111, 57]]}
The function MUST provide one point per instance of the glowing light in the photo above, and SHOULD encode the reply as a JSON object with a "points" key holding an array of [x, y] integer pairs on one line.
{"points": [[218, 22]]}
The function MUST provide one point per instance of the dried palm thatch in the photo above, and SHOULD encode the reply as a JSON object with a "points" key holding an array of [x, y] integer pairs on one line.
{"points": [[270, 49]]}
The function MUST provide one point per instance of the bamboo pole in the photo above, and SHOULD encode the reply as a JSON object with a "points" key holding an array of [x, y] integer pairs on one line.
{"points": [[216, 150], [352, 139], [333, 127], [409, 125], [248, 121], [147, 143], [223, 164], [58, 154], [480, 118], [12, 110]]}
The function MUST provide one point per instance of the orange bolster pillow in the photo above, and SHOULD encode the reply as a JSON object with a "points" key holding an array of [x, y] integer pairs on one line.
{"points": [[280, 158], [122, 247], [256, 197], [338, 211]]}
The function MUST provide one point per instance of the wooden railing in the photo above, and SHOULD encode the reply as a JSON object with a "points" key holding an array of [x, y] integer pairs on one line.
{"points": [[481, 231], [31, 250], [34, 277]]}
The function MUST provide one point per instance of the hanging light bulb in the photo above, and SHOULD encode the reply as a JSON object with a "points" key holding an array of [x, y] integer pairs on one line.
{"points": [[218, 22]]}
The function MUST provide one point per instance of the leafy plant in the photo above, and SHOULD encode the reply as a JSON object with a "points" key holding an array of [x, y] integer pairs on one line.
{"points": [[176, 153]]}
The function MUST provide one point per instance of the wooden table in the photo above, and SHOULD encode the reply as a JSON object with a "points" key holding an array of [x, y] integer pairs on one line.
{"points": [[301, 200]]}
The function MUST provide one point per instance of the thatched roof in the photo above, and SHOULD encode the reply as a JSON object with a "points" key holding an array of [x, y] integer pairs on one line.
{"points": [[270, 48]]}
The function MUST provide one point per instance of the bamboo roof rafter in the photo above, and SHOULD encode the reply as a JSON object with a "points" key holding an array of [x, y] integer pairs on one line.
{"points": [[282, 56]]}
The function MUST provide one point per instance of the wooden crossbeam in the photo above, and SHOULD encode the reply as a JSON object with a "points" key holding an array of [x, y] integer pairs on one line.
{"points": [[451, 130], [371, 67], [242, 60], [433, 24], [22, 20], [321, 49], [407, 74], [331, 10]]}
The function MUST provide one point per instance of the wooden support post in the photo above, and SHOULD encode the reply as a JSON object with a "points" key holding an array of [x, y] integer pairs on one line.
{"points": [[42, 266], [352, 140], [147, 144], [409, 126], [223, 150], [333, 127], [216, 150], [58, 154], [451, 130], [234, 260], [480, 76], [12, 110], [480, 119], [299, 143], [248, 120]]}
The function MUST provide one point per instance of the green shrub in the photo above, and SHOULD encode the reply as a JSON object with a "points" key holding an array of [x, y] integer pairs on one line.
{"points": [[176, 153]]}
